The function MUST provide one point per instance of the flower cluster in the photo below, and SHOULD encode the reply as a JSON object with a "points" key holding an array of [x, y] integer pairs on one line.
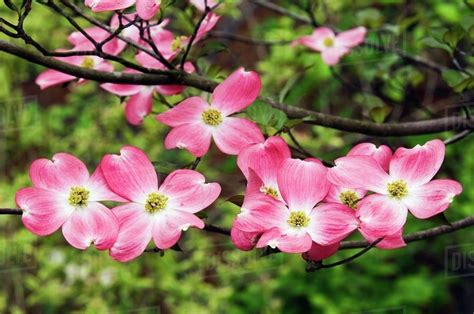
{"points": [[65, 196], [300, 206]]}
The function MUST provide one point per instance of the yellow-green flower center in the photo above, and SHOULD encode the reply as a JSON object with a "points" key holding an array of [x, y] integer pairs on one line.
{"points": [[88, 63], [397, 189], [268, 190], [328, 42], [212, 117], [155, 202], [298, 219], [178, 43], [78, 196], [349, 198]]}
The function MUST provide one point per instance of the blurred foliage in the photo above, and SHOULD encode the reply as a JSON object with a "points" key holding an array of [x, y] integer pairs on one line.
{"points": [[45, 275]]}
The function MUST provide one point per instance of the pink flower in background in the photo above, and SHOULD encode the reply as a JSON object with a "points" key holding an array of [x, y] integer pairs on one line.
{"points": [[153, 212], [195, 122], [51, 77], [206, 26], [140, 101], [407, 186], [332, 46], [200, 4], [292, 225], [146, 9], [64, 195]]}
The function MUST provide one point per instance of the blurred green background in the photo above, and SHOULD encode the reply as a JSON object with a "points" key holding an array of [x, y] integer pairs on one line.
{"points": [[45, 275]]}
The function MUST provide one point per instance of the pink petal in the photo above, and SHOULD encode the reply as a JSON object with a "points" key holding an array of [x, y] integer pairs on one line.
{"points": [[380, 216], [393, 241], [242, 240], [200, 4], [261, 213], [50, 78], [418, 165], [169, 90], [206, 26], [59, 174], [302, 184], [237, 92], [109, 5], [122, 89], [167, 229], [331, 56], [194, 137], [99, 189], [95, 224], [188, 111], [44, 212], [289, 243], [235, 134], [135, 232], [147, 9], [320, 252], [432, 198], [130, 174], [264, 158], [330, 223], [188, 190], [139, 106], [352, 37], [359, 172], [382, 154]]}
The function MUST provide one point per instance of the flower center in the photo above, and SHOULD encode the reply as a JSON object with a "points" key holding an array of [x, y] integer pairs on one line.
{"points": [[268, 190], [212, 117], [88, 63], [298, 219], [78, 196], [155, 202], [397, 189], [178, 43], [349, 198], [328, 42]]}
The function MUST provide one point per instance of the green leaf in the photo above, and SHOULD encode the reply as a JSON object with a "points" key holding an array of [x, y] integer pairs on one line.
{"points": [[470, 4], [466, 84], [453, 36], [288, 86], [379, 114], [457, 80], [266, 115], [291, 123], [236, 200], [11, 6], [434, 43]]}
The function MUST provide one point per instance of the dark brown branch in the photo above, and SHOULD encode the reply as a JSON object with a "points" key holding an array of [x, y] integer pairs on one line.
{"points": [[420, 235]]}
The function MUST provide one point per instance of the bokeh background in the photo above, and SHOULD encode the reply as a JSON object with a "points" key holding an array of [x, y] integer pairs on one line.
{"points": [[45, 275]]}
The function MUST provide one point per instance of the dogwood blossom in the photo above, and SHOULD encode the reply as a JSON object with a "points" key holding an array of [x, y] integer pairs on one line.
{"points": [[333, 46], [146, 9], [407, 186], [65, 196], [195, 122], [158, 212]]}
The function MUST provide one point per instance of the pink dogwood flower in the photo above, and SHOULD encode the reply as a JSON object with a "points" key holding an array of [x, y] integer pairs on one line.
{"points": [[353, 197], [195, 122], [332, 46], [65, 196], [153, 212], [210, 21], [52, 77], [293, 224], [408, 186], [146, 9], [320, 252]]}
